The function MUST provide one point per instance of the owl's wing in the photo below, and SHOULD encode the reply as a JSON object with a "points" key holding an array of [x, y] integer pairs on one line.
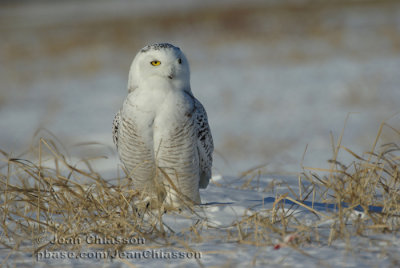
{"points": [[205, 144], [115, 127]]}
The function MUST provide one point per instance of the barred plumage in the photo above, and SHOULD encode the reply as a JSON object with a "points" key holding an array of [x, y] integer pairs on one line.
{"points": [[161, 132]]}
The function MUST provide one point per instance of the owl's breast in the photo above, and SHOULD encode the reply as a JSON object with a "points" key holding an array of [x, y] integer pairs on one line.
{"points": [[174, 112], [161, 117]]}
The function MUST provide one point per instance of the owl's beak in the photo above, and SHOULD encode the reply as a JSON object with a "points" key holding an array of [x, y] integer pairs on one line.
{"points": [[171, 73]]}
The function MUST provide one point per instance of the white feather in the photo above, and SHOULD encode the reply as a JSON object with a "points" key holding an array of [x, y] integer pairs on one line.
{"points": [[161, 132]]}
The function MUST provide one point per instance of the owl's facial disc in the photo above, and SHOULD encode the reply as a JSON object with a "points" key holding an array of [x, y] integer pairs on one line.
{"points": [[167, 63], [157, 63], [160, 65]]}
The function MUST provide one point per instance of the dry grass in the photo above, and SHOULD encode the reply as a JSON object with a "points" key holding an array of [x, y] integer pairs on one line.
{"points": [[370, 183], [359, 199], [54, 198], [50, 197]]}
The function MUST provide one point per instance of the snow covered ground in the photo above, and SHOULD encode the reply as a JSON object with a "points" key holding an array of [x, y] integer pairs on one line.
{"points": [[274, 78]]}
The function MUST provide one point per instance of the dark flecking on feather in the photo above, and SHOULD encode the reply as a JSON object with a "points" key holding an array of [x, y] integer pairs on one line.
{"points": [[161, 132]]}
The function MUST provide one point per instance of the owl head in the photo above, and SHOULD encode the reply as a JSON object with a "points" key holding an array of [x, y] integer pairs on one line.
{"points": [[160, 64]]}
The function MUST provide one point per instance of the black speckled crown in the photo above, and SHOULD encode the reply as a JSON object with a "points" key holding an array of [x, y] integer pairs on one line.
{"points": [[158, 46]]}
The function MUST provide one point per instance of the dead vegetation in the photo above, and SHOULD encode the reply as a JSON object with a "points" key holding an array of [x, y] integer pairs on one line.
{"points": [[360, 199], [50, 197]]}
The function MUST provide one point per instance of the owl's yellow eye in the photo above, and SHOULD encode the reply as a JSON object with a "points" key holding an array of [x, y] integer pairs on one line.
{"points": [[155, 62]]}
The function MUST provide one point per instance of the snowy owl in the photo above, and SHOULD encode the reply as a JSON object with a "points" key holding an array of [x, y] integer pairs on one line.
{"points": [[161, 132]]}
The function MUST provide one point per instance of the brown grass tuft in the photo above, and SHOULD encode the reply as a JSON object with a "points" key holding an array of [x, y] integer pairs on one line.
{"points": [[51, 197]]}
